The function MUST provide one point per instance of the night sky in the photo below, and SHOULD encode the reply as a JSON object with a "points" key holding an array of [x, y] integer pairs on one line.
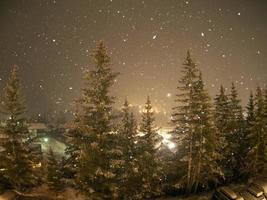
{"points": [[51, 42]]}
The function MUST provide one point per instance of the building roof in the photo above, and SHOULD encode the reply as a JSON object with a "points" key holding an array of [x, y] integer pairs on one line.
{"points": [[37, 126]]}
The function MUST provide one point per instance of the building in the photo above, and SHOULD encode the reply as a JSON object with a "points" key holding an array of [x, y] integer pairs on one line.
{"points": [[38, 129]]}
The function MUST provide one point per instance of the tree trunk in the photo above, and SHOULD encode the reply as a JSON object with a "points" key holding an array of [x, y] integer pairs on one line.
{"points": [[189, 172]]}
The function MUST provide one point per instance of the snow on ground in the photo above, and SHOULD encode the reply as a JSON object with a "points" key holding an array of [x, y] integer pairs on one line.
{"points": [[191, 197], [7, 196], [42, 193], [71, 194]]}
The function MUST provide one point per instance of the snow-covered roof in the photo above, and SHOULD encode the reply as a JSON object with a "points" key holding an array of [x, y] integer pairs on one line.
{"points": [[37, 126]]}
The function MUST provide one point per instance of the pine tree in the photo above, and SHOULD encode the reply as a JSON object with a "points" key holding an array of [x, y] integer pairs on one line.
{"points": [[193, 119], [128, 136], [149, 168], [250, 119], [247, 168], [17, 158], [258, 152], [74, 139], [206, 169], [54, 173], [183, 116], [99, 160], [235, 136], [221, 113], [222, 125], [128, 132]]}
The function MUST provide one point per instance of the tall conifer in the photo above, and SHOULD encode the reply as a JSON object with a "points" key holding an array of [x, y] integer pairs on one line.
{"points": [[149, 168], [258, 151], [99, 160], [183, 116], [206, 168], [235, 136], [194, 125], [17, 158], [54, 173], [131, 187], [248, 168]]}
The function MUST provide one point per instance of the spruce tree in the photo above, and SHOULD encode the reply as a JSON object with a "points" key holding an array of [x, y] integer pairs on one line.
{"points": [[148, 165], [128, 132], [250, 118], [99, 160], [17, 159], [54, 173], [221, 113], [235, 136], [206, 169], [128, 136], [222, 125], [74, 139], [247, 168], [183, 116], [258, 152], [194, 127]]}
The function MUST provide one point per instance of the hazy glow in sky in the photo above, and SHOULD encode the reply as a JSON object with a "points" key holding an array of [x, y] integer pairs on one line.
{"points": [[51, 42]]}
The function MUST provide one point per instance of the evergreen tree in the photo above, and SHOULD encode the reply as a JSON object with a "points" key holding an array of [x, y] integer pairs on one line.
{"points": [[74, 139], [128, 136], [54, 173], [221, 113], [183, 116], [17, 158], [194, 126], [250, 119], [236, 136], [222, 121], [247, 168], [206, 169], [99, 160], [257, 163], [128, 131], [148, 165]]}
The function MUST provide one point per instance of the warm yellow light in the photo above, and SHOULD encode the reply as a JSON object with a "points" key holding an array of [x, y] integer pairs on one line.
{"points": [[38, 165]]}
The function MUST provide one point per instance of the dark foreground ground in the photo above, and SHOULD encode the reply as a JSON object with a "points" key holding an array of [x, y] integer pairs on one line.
{"points": [[70, 194], [42, 193]]}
